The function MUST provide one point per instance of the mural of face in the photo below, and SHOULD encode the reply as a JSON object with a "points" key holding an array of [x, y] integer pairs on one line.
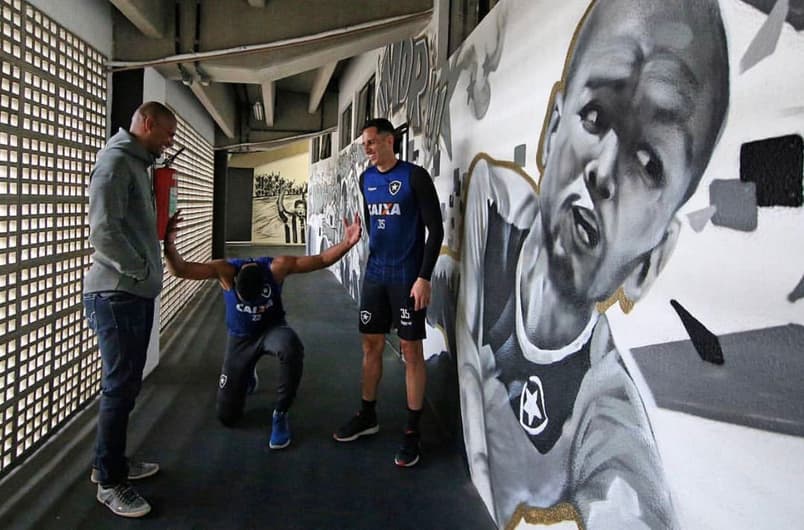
{"points": [[626, 143]]}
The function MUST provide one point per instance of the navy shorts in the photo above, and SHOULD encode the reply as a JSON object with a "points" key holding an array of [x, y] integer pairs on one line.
{"points": [[383, 306]]}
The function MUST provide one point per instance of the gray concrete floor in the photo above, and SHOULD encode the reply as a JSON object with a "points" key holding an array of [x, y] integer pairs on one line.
{"points": [[227, 478]]}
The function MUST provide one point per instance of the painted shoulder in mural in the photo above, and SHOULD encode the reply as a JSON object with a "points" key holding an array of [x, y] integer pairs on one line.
{"points": [[570, 144], [629, 132]]}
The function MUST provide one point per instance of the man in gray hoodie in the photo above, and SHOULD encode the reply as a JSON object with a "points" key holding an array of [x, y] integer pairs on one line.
{"points": [[119, 292]]}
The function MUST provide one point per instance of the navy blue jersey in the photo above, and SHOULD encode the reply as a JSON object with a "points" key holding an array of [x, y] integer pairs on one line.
{"points": [[398, 205], [247, 319]]}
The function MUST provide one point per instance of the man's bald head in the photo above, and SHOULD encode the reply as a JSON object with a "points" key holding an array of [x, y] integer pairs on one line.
{"points": [[154, 126], [631, 131], [682, 43], [151, 109]]}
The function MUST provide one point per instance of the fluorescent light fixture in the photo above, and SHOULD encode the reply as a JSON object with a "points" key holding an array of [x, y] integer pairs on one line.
{"points": [[259, 115]]}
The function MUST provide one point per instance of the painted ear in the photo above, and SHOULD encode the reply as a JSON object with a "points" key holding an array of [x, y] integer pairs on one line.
{"points": [[647, 270], [551, 126]]}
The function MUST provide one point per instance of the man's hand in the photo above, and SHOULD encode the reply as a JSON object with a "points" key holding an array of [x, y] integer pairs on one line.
{"points": [[173, 227], [420, 292], [351, 232]]}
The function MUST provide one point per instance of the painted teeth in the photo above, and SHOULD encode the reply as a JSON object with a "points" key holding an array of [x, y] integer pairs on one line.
{"points": [[584, 234], [558, 248]]}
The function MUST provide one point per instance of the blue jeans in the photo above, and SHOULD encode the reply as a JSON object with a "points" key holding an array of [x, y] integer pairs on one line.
{"points": [[122, 323]]}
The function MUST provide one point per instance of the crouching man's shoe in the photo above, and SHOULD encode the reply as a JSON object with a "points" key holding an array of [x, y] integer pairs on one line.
{"points": [[280, 431]]}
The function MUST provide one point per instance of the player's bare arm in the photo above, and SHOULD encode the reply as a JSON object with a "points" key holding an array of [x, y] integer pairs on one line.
{"points": [[217, 269], [282, 266]]}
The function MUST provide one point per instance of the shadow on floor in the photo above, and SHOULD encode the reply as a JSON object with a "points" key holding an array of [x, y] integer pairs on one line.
{"points": [[214, 477]]}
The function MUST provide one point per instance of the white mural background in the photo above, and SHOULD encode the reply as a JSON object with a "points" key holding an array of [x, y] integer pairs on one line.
{"points": [[497, 88]]}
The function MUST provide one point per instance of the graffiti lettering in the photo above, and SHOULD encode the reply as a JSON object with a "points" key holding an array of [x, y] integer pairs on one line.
{"points": [[409, 83]]}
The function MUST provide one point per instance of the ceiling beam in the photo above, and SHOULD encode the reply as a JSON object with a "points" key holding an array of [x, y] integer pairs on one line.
{"points": [[268, 101], [280, 67], [148, 16], [219, 102], [346, 41], [322, 77]]}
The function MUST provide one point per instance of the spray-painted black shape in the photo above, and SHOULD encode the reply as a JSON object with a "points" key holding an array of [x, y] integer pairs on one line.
{"points": [[775, 165], [706, 343]]}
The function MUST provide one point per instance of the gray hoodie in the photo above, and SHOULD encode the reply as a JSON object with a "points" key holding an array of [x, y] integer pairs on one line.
{"points": [[122, 221]]}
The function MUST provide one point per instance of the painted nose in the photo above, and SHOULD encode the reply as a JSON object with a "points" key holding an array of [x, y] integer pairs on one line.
{"points": [[599, 171]]}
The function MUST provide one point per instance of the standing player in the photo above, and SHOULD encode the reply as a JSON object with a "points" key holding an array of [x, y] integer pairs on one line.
{"points": [[400, 201]]}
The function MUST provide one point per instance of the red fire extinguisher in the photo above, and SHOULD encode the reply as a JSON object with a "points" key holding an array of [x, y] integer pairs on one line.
{"points": [[166, 191]]}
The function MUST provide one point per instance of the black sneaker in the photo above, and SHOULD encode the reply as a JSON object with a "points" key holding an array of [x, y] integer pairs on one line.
{"points": [[359, 425], [409, 452]]}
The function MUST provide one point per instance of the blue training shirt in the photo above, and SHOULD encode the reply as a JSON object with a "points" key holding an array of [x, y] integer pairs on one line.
{"points": [[398, 205], [246, 319]]}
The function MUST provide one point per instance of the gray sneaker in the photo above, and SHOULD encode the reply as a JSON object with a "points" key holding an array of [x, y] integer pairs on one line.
{"points": [[123, 500], [136, 471]]}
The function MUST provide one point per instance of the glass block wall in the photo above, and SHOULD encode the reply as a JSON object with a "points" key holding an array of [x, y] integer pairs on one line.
{"points": [[52, 123], [195, 168], [53, 99]]}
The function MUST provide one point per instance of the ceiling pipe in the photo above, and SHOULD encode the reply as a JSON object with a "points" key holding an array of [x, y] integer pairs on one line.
{"points": [[275, 142], [119, 66]]}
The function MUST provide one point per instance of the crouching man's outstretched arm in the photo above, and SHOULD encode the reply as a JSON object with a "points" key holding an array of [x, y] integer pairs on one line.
{"points": [[218, 269], [281, 266]]}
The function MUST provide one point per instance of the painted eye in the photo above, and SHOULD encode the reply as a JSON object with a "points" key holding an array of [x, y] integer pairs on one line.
{"points": [[593, 119], [651, 165]]}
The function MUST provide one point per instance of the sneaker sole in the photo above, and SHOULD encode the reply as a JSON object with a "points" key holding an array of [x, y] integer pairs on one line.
{"points": [[408, 464], [131, 515], [366, 432], [278, 446], [94, 480]]}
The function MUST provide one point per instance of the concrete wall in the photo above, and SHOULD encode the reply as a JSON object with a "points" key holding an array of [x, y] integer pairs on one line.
{"points": [[587, 398], [181, 99], [356, 74], [89, 19]]}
